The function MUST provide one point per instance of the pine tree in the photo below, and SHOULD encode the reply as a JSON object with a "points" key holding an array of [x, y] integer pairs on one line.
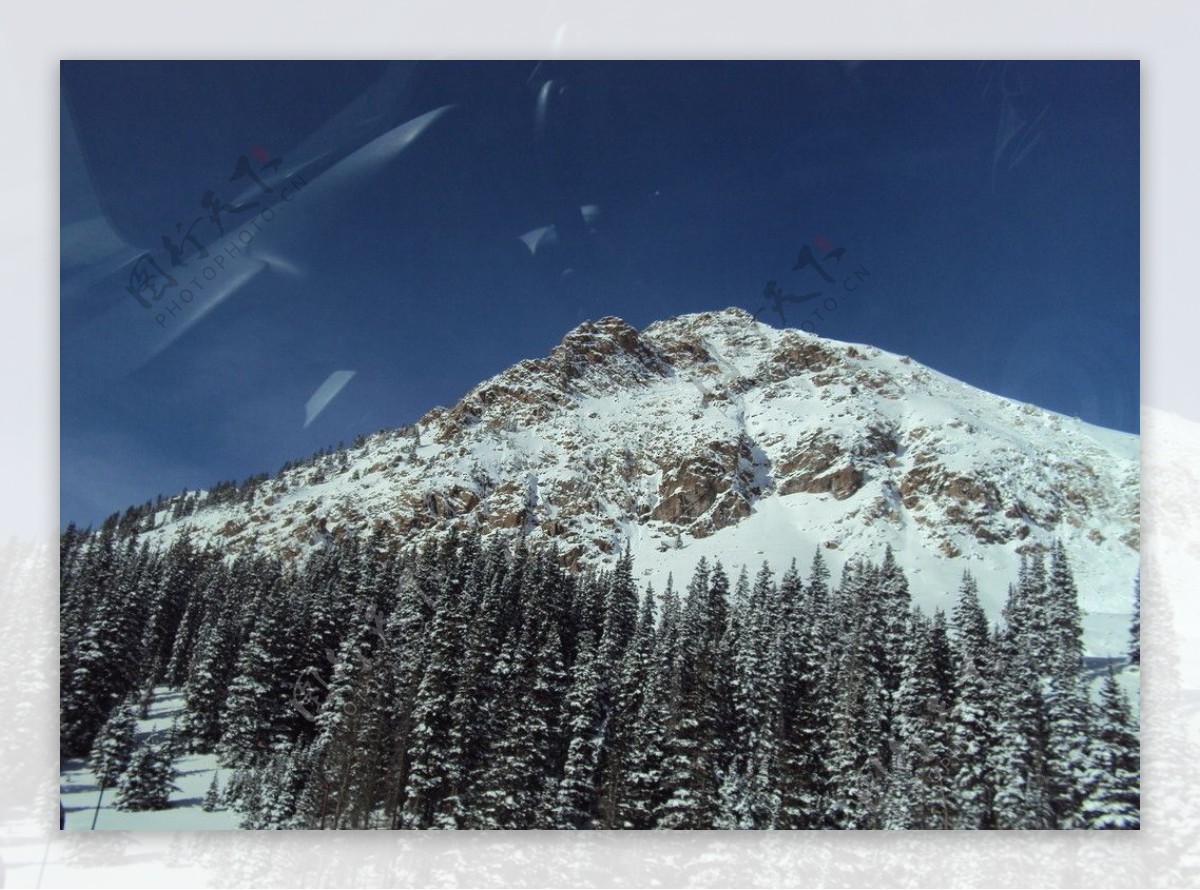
{"points": [[1026, 610], [920, 748], [476, 695], [145, 699], [275, 791], [620, 611], [165, 603], [691, 777], [943, 654], [294, 776], [1111, 788], [750, 792], [970, 719], [1066, 747], [235, 789], [455, 687], [517, 789], [1064, 620], [646, 793], [352, 732], [1066, 695], [211, 672], [432, 776], [94, 675], [969, 634], [818, 580], [1017, 759], [114, 744], [212, 797], [407, 643], [804, 705], [148, 781], [858, 759], [623, 751], [183, 646], [578, 805], [253, 792], [257, 707], [970, 742], [894, 603]]}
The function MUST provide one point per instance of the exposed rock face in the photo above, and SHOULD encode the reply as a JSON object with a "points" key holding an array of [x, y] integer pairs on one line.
{"points": [[820, 464], [674, 434], [714, 485], [794, 355]]}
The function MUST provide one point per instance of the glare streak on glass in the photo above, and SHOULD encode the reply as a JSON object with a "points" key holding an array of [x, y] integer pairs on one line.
{"points": [[325, 394]]}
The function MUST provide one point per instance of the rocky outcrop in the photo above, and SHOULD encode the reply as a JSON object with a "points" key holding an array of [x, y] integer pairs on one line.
{"points": [[841, 483], [713, 485], [796, 355], [821, 464]]}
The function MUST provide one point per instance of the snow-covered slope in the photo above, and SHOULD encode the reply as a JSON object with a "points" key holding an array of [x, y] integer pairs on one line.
{"points": [[713, 434], [80, 791]]}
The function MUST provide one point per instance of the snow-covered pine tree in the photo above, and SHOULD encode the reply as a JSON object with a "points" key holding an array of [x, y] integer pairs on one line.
{"points": [[475, 700], [212, 797], [857, 740], [114, 744], [432, 772], [622, 731], [920, 745], [735, 650], [1017, 758], [721, 671], [258, 704], [194, 611], [1112, 786], [212, 669], [148, 781], [1067, 707], [691, 776], [748, 648], [645, 780], [1064, 619], [620, 612], [1025, 611], [577, 803], [294, 774], [354, 728], [750, 796], [275, 790], [770, 707], [943, 655], [970, 741], [804, 703], [517, 789], [182, 567], [235, 787], [92, 683], [253, 791], [970, 717], [895, 603], [969, 635], [139, 576]]}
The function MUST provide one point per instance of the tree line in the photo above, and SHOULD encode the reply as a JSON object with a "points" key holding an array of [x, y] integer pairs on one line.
{"points": [[472, 685]]}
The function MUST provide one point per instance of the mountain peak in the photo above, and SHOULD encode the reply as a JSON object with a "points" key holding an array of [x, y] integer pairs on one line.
{"points": [[715, 434], [595, 341]]}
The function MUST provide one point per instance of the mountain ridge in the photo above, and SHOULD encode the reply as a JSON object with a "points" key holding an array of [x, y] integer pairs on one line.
{"points": [[715, 434]]}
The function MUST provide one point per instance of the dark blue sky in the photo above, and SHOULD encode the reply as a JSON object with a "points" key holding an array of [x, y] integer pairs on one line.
{"points": [[995, 207]]}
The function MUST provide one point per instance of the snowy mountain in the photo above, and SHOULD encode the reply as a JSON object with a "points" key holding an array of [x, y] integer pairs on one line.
{"points": [[714, 434]]}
